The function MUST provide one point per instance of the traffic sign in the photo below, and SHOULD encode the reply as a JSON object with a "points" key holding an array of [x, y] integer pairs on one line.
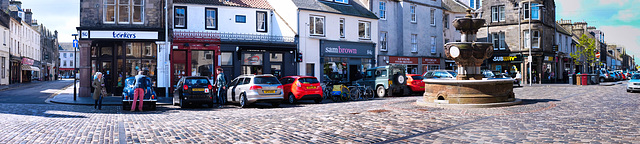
{"points": [[597, 54], [75, 43]]}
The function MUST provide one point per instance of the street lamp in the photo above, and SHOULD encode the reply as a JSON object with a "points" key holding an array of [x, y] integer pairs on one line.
{"points": [[530, 58], [75, 76]]}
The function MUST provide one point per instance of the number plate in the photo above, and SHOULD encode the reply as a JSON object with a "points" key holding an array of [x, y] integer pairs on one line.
{"points": [[311, 87], [197, 89], [269, 91]]}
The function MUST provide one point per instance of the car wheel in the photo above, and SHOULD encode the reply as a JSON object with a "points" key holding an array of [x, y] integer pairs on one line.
{"points": [[275, 104], [380, 91], [318, 101], [292, 99], [601, 80], [243, 101]]}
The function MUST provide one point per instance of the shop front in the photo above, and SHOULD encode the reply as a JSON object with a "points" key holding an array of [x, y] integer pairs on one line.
{"points": [[548, 69], [15, 72], [412, 63], [510, 63], [119, 55], [193, 59], [430, 64], [29, 72], [345, 61]]}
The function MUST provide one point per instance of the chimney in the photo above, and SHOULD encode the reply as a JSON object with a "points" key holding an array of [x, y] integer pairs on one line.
{"points": [[27, 16]]}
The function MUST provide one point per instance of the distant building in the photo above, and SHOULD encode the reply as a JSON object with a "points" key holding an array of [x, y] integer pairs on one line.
{"points": [[24, 45], [67, 59], [5, 56]]}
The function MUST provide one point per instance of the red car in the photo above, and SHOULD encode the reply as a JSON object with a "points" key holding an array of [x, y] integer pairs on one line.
{"points": [[415, 83], [301, 88]]}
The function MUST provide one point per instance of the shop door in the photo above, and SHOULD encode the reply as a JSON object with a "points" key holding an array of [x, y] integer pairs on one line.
{"points": [[107, 74], [179, 66]]}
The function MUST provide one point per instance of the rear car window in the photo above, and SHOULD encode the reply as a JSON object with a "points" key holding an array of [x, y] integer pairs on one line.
{"points": [[196, 82], [636, 76], [416, 77], [266, 80], [308, 80]]}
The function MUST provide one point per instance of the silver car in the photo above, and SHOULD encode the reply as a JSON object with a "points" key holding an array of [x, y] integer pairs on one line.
{"points": [[248, 89]]}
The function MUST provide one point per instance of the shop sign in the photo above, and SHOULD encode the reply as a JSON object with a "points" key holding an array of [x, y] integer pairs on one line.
{"points": [[119, 34], [346, 48], [548, 58], [403, 60], [506, 58], [253, 59], [430, 61], [27, 61]]}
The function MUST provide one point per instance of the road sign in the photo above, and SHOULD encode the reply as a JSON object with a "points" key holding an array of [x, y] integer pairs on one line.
{"points": [[597, 54], [75, 43]]}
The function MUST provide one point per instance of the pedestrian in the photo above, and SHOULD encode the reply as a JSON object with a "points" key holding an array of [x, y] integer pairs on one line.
{"points": [[518, 77], [221, 84], [98, 85], [139, 89]]}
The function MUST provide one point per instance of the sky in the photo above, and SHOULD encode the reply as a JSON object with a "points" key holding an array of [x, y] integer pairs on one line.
{"points": [[618, 19]]}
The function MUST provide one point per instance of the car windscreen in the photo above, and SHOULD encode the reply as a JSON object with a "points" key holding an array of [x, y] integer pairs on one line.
{"points": [[416, 77], [308, 80], [454, 74], [130, 82], [266, 80], [199, 81]]}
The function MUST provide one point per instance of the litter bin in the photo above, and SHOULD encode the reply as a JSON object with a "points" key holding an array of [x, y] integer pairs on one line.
{"points": [[578, 80], [584, 79], [571, 79]]}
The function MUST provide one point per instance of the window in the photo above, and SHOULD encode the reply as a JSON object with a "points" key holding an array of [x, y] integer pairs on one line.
{"points": [[446, 20], [383, 10], [316, 25], [535, 37], [310, 69], [472, 4], [497, 13], [433, 45], [241, 19], [211, 17], [498, 41], [413, 13], [364, 30], [180, 17], [123, 11], [261, 21], [227, 58], [501, 13], [342, 28], [109, 11], [535, 11], [414, 43], [138, 11], [342, 1], [64, 55], [4, 69], [433, 17], [383, 41]]}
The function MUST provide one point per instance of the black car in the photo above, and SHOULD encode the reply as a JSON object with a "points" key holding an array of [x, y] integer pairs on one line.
{"points": [[196, 90]]}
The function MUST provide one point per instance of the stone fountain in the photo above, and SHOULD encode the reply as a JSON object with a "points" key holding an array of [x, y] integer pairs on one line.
{"points": [[468, 89]]}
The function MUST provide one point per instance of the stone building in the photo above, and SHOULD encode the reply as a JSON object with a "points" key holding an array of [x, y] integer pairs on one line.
{"points": [[49, 50], [453, 9], [120, 38], [411, 34], [578, 29], [508, 28]]}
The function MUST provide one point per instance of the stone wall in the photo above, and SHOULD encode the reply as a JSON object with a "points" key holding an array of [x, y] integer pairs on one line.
{"points": [[92, 15]]}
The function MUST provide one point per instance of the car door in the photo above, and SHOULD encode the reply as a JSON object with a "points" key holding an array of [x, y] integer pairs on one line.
{"points": [[369, 78], [231, 91], [178, 91], [286, 84]]}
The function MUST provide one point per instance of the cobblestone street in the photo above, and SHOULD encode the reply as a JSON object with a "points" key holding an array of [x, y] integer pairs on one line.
{"points": [[549, 114]]}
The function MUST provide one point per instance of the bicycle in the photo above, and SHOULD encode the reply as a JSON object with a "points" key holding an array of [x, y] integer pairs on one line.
{"points": [[326, 90], [360, 92]]}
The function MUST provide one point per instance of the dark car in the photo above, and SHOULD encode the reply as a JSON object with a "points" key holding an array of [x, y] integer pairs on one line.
{"points": [[387, 80], [194, 90], [149, 100], [440, 74]]}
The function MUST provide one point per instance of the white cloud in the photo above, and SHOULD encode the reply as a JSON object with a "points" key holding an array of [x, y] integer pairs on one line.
{"points": [[61, 15], [570, 7], [627, 36], [619, 2], [628, 15]]}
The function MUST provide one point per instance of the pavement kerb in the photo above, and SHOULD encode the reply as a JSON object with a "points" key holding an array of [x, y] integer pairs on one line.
{"points": [[57, 93]]}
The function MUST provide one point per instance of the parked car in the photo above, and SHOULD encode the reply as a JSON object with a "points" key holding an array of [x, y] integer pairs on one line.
{"points": [[615, 76], [605, 76], [249, 89], [387, 80], [301, 88], [194, 90], [415, 83], [440, 74], [634, 84], [505, 76], [487, 74], [149, 100]]}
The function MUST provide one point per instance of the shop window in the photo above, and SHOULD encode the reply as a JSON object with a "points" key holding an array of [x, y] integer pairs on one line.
{"points": [[276, 70], [226, 58], [252, 59], [106, 51], [261, 21], [200, 65], [147, 50], [211, 15], [335, 68], [316, 25], [366, 64], [276, 57], [208, 55], [180, 17]]}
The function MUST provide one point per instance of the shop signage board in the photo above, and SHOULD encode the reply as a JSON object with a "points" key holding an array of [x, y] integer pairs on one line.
{"points": [[346, 48], [430, 61], [403, 60], [506, 58], [548, 58], [106, 34], [27, 61], [252, 59]]}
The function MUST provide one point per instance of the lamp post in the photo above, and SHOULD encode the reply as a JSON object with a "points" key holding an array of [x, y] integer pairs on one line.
{"points": [[75, 76], [530, 58]]}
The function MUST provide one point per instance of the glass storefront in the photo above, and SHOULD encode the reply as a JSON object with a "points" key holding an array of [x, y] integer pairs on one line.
{"points": [[120, 60], [339, 69]]}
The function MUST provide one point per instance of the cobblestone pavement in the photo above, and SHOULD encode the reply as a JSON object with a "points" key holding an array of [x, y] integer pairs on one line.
{"points": [[568, 114]]}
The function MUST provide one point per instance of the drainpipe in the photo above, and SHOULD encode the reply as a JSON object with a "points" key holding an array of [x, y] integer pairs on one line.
{"points": [[166, 44]]}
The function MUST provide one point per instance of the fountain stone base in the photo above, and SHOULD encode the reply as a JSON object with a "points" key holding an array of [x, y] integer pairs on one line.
{"points": [[485, 92]]}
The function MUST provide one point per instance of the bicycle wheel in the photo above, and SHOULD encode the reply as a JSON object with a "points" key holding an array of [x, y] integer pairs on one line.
{"points": [[326, 93], [345, 95], [368, 93], [355, 93]]}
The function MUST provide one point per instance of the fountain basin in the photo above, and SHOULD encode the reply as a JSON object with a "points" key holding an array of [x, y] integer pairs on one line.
{"points": [[450, 91]]}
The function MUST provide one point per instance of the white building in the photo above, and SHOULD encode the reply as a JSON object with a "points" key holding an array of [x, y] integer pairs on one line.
{"points": [[4, 48], [25, 46], [337, 38], [67, 59], [565, 64]]}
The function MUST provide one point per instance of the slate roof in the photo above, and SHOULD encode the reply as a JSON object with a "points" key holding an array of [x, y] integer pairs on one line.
{"points": [[354, 8], [562, 30], [66, 46], [454, 6], [262, 4]]}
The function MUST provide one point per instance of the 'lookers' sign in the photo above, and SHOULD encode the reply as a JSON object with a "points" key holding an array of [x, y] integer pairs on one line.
{"points": [[119, 34]]}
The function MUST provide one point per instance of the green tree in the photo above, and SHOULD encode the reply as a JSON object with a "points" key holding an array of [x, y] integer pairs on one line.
{"points": [[587, 54]]}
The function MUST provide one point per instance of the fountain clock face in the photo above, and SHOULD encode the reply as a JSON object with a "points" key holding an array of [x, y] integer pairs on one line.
{"points": [[454, 52]]}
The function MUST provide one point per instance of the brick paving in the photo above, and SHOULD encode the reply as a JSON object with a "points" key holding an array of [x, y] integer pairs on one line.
{"points": [[567, 114]]}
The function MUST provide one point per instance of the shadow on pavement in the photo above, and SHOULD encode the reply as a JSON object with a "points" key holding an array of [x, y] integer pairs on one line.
{"points": [[535, 101]]}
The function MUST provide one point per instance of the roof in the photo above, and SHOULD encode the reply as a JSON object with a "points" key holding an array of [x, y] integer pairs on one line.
{"points": [[262, 4], [561, 29], [66, 46], [354, 8], [454, 6]]}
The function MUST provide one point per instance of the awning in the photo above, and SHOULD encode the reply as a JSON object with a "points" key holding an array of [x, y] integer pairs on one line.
{"points": [[66, 68], [35, 68], [29, 68]]}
